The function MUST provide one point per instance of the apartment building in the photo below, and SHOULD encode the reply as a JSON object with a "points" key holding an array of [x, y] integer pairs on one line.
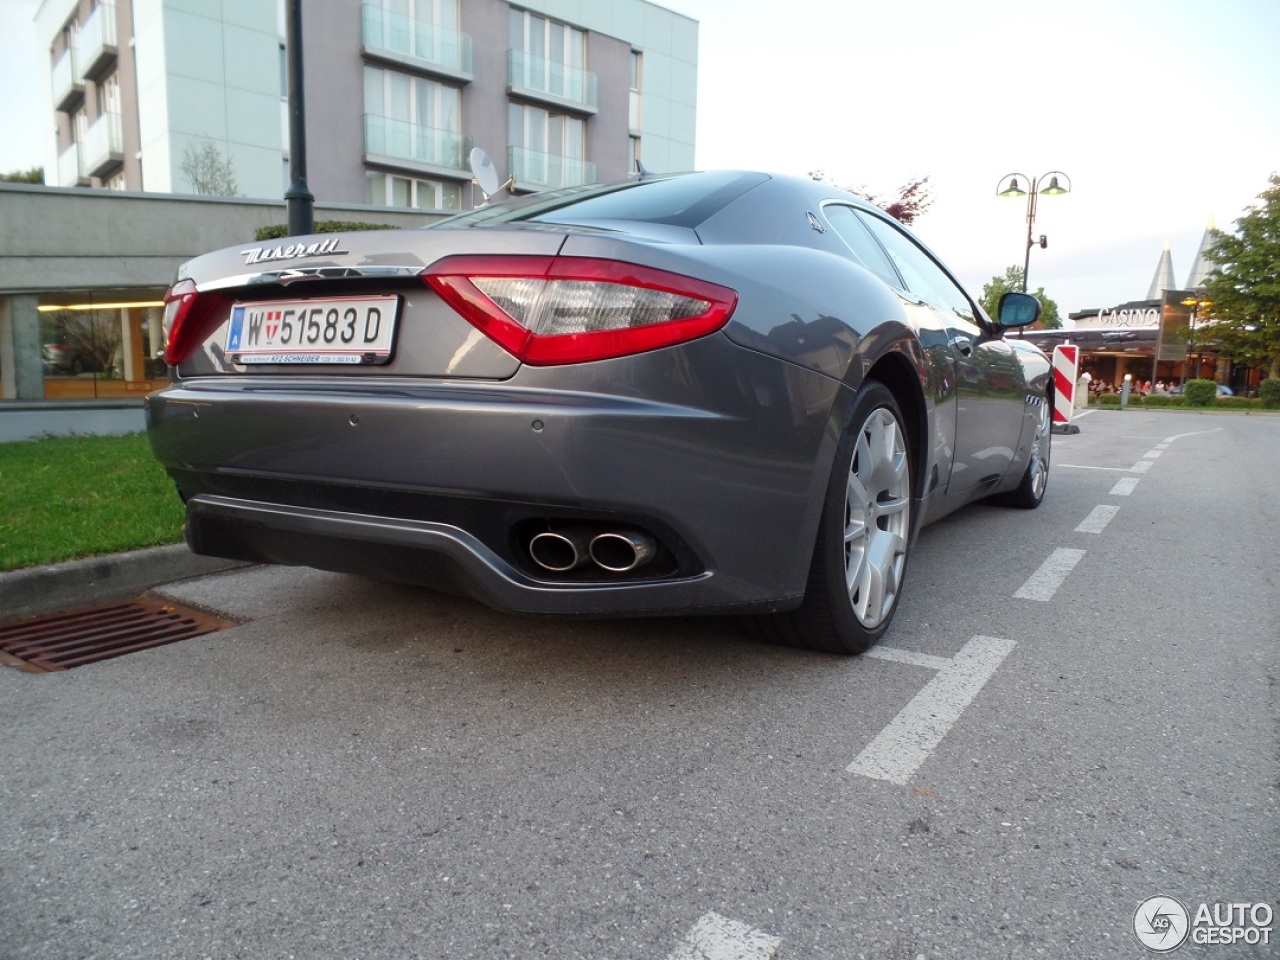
{"points": [[187, 96]]}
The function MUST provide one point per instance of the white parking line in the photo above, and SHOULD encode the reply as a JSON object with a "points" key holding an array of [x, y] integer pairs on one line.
{"points": [[1044, 583], [897, 751], [1124, 486], [1098, 519], [718, 938], [909, 657]]}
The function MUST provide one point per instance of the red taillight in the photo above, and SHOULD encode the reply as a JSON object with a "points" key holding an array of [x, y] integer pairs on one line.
{"points": [[550, 310], [188, 319]]}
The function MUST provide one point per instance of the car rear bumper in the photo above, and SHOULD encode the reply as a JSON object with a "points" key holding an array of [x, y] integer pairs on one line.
{"points": [[443, 483]]}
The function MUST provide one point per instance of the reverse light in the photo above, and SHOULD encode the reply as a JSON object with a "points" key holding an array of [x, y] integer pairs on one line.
{"points": [[553, 310], [189, 318]]}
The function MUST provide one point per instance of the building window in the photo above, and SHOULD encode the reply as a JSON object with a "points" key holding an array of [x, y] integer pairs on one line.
{"points": [[413, 119], [391, 190], [549, 56], [634, 115], [423, 29], [547, 149]]}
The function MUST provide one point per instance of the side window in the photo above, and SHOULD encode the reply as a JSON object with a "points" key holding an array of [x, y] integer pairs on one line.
{"points": [[923, 276], [854, 233]]}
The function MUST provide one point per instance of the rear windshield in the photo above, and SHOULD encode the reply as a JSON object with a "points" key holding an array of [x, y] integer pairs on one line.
{"points": [[683, 201]]}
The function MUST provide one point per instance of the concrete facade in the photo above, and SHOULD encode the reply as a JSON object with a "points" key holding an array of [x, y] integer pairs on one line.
{"points": [[71, 247]]}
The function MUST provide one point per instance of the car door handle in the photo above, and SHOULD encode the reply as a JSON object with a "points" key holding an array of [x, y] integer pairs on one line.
{"points": [[963, 344]]}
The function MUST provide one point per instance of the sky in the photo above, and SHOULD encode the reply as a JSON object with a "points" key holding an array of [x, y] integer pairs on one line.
{"points": [[1163, 114]]}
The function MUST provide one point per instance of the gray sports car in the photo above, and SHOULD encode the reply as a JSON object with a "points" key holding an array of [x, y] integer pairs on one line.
{"points": [[717, 392]]}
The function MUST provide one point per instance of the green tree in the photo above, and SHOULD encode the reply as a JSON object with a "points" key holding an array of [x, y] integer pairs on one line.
{"points": [[1012, 280], [1244, 286], [34, 175]]}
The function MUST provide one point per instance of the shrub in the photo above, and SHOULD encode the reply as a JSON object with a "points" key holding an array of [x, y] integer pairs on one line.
{"points": [[1237, 403], [1269, 393], [277, 231], [1161, 400], [1201, 393], [1108, 400]]}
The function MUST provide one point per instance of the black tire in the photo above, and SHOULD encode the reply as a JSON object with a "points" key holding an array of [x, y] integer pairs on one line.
{"points": [[864, 535], [1035, 479]]}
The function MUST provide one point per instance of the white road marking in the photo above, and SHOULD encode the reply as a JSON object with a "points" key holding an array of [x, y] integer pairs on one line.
{"points": [[1194, 433], [1082, 466], [1142, 466], [1097, 521], [718, 938], [1044, 583], [1153, 454], [1124, 486], [900, 748], [909, 657]]}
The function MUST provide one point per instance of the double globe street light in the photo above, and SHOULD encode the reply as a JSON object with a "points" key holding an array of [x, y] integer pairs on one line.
{"points": [[1052, 184]]}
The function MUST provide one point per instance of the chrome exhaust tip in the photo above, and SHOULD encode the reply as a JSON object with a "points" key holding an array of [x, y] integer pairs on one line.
{"points": [[560, 550], [621, 551]]}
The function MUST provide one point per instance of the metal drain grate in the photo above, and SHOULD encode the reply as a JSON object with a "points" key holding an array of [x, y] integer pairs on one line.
{"points": [[61, 641]]}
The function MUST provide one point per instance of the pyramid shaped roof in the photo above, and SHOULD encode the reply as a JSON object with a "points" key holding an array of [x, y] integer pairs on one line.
{"points": [[1202, 265], [1163, 280]]}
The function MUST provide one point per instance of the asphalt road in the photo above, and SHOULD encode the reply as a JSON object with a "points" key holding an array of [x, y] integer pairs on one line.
{"points": [[1075, 710]]}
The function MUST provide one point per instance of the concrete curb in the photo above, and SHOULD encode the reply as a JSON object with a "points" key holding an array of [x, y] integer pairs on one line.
{"points": [[80, 583]]}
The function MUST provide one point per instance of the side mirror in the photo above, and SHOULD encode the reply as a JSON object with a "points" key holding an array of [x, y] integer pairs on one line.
{"points": [[1017, 309]]}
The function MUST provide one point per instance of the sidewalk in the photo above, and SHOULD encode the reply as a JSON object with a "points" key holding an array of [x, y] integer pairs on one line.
{"points": [[35, 591]]}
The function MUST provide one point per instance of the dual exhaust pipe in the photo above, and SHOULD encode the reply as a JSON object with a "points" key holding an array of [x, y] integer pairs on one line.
{"points": [[616, 551]]}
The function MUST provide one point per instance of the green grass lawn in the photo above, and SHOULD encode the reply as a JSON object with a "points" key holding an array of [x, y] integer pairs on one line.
{"points": [[68, 497]]}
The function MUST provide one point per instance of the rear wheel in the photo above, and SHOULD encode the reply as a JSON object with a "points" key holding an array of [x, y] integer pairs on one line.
{"points": [[860, 556]]}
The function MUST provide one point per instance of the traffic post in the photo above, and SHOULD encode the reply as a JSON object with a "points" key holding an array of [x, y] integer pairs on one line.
{"points": [[1066, 363]]}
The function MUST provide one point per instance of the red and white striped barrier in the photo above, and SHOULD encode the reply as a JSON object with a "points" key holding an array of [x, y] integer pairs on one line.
{"points": [[1066, 361]]}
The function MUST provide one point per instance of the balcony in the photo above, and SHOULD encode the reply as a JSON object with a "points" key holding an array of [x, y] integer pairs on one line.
{"points": [[537, 78], [417, 44], [410, 146], [537, 171], [71, 172], [68, 89], [104, 147], [97, 51]]}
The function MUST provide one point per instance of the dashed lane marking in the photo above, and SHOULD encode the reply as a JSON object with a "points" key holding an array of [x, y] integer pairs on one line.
{"points": [[715, 937], [1044, 583], [1098, 519], [1124, 486], [900, 748]]}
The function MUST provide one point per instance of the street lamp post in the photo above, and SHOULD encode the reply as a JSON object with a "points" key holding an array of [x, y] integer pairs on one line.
{"points": [[1195, 304], [1010, 185]]}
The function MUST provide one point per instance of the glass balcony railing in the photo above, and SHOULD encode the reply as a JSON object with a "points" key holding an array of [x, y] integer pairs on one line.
{"points": [[400, 140], [97, 50], [542, 77], [70, 166], [104, 146], [67, 88], [409, 38], [532, 168]]}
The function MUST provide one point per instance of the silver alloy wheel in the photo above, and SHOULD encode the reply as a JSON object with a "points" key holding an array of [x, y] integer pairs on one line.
{"points": [[877, 517]]}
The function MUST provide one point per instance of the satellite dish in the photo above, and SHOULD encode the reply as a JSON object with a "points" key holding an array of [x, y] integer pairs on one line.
{"points": [[482, 169]]}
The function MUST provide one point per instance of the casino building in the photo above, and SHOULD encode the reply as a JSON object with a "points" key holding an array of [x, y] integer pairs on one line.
{"points": [[1149, 339]]}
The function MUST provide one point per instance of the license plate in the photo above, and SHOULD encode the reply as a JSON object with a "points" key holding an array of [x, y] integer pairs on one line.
{"points": [[333, 330]]}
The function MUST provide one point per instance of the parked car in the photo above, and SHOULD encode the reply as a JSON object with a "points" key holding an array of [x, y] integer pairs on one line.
{"points": [[1223, 391], [717, 392], [69, 358]]}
